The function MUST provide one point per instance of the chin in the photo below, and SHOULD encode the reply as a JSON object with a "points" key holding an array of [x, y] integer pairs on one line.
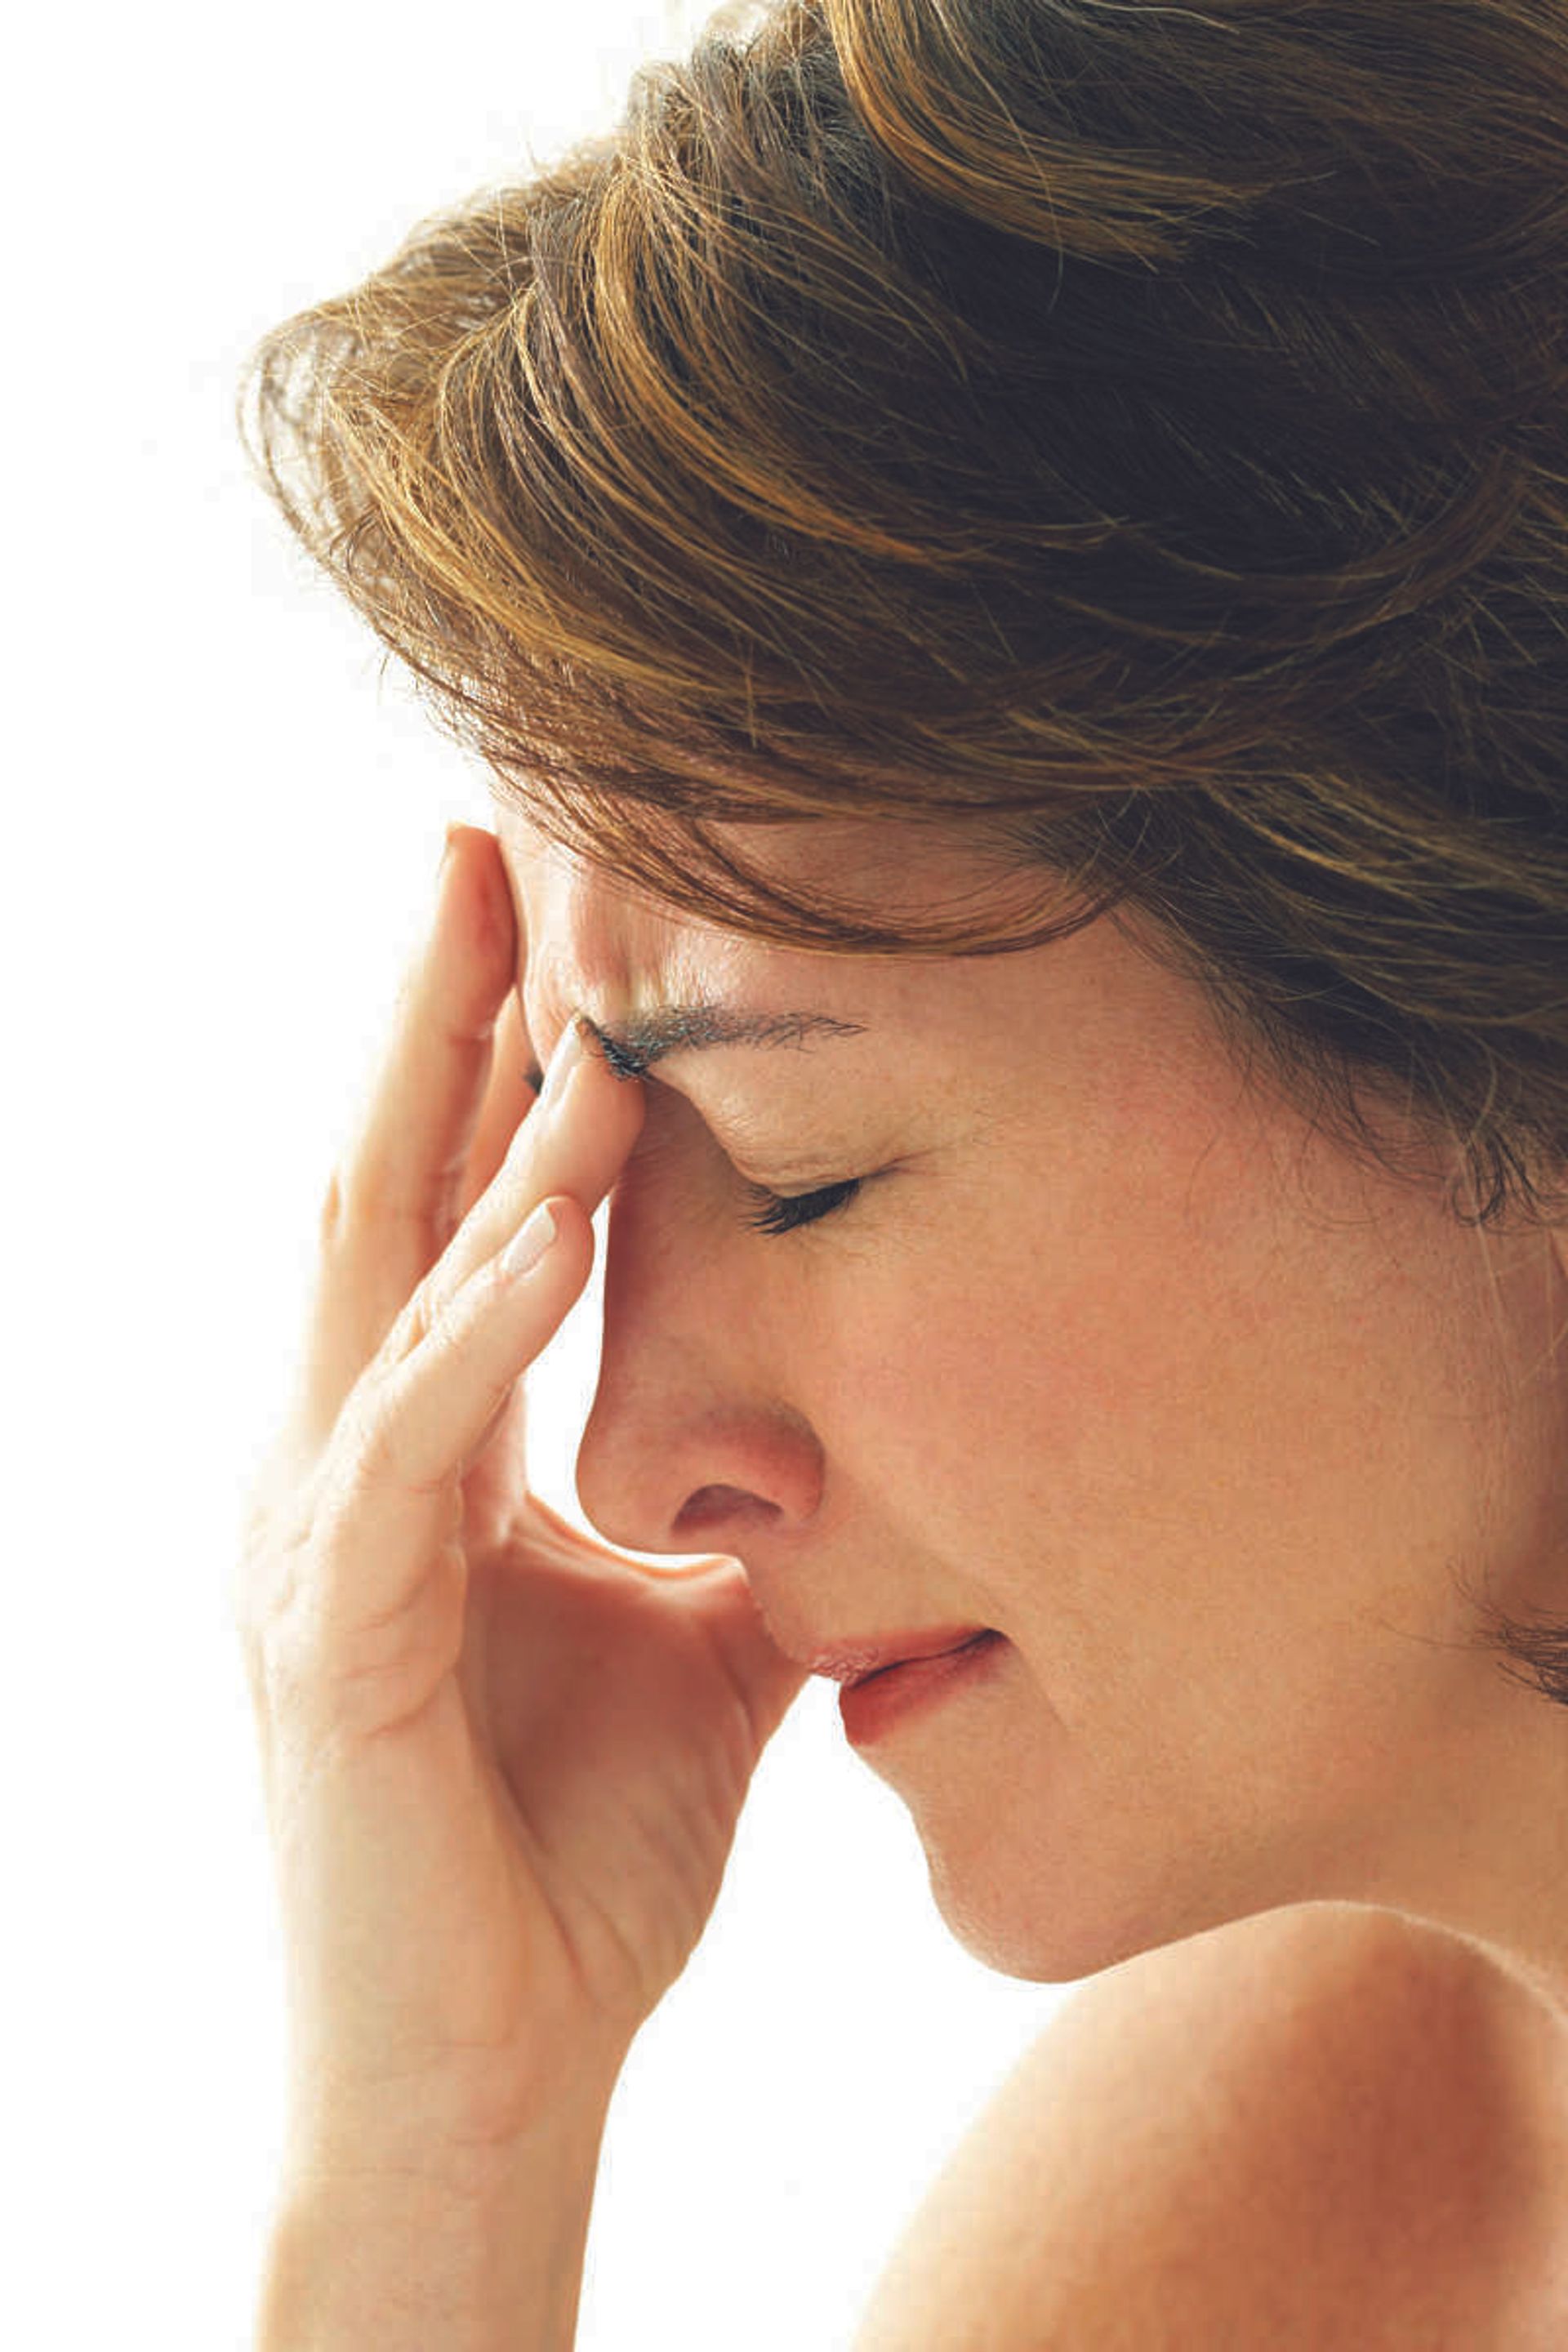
{"points": [[1015, 1923], [1003, 1936]]}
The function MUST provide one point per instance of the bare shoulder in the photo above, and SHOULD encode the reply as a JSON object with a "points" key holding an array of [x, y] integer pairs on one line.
{"points": [[1319, 2127]]}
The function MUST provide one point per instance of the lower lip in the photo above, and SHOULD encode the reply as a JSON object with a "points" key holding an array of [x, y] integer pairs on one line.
{"points": [[867, 1709]]}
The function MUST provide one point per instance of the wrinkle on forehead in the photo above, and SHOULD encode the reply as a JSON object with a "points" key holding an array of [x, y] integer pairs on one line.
{"points": [[591, 943], [587, 943]]}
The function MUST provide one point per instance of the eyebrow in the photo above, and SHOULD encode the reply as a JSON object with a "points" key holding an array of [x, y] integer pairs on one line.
{"points": [[648, 1037]]}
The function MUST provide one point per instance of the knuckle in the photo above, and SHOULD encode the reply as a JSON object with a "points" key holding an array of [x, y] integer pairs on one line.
{"points": [[359, 1192], [327, 1658], [374, 1455], [265, 1594], [323, 1651], [437, 1314], [368, 1446], [331, 1220], [244, 1589], [429, 1312], [415, 1320], [275, 1530], [252, 1571], [363, 1196]]}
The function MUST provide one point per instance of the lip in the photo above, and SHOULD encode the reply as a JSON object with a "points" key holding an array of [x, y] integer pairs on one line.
{"points": [[856, 1661], [871, 1706]]}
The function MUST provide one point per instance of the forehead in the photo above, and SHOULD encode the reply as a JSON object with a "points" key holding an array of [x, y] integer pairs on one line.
{"points": [[1092, 1015], [587, 941]]}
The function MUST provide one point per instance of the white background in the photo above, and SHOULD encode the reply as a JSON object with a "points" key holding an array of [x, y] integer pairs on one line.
{"points": [[223, 830]]}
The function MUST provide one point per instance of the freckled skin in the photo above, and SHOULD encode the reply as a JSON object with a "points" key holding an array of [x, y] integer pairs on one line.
{"points": [[1110, 1354]]}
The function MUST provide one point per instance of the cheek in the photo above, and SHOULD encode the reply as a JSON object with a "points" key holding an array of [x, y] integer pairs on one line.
{"points": [[1183, 1398], [1039, 1341]]}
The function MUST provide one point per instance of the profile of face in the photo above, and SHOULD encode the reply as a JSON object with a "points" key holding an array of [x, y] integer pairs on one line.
{"points": [[1087, 1342]]}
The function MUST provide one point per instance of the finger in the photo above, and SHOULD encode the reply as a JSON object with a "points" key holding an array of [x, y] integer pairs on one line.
{"points": [[576, 1140], [393, 1201], [515, 1082], [407, 1166], [387, 1615], [495, 1479]]}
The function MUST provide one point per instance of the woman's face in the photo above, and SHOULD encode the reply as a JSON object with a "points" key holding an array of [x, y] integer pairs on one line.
{"points": [[1108, 1354]]}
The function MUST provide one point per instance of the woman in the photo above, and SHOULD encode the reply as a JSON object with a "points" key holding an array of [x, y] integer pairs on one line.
{"points": [[1006, 563]]}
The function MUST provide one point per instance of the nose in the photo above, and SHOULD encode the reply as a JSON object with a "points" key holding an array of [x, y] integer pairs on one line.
{"points": [[693, 1443]]}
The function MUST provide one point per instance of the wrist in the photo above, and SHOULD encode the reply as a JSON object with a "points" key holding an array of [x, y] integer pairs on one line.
{"points": [[477, 2250]]}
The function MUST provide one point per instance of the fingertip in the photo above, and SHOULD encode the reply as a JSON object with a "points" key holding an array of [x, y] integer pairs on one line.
{"points": [[491, 923], [508, 913], [459, 835]]}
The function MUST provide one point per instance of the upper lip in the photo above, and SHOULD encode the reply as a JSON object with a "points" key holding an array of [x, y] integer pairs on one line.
{"points": [[855, 1661]]}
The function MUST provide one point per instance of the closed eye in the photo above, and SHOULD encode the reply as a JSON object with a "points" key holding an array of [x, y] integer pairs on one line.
{"points": [[781, 1213]]}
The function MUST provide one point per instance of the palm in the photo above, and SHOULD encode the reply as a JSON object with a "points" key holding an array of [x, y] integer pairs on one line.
{"points": [[625, 1712]]}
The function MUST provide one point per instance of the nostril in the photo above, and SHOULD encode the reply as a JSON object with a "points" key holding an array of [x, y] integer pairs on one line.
{"points": [[709, 1507]]}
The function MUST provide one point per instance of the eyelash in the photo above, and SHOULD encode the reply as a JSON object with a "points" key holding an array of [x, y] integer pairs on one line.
{"points": [[783, 1212]]}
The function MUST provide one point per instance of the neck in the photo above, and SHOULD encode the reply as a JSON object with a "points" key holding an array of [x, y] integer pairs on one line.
{"points": [[1484, 1854]]}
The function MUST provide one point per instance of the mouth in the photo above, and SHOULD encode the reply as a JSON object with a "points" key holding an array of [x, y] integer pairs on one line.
{"points": [[873, 1702], [852, 1663]]}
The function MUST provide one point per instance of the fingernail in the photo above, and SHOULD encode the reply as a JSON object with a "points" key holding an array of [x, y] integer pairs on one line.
{"points": [[447, 852], [529, 1244]]}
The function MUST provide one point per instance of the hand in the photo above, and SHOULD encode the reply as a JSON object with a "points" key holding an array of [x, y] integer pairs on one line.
{"points": [[503, 1763]]}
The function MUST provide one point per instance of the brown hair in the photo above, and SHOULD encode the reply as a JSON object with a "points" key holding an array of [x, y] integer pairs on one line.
{"points": [[1140, 432]]}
